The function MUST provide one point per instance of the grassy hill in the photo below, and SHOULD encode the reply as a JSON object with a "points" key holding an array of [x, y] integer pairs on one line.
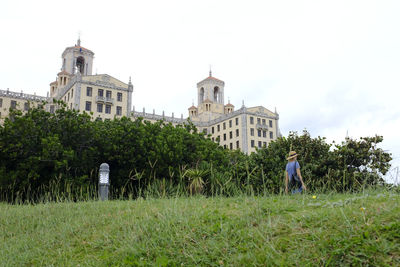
{"points": [[336, 229]]}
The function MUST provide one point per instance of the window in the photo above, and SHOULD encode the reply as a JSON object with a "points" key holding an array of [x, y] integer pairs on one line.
{"points": [[252, 131], [218, 128], [237, 132], [264, 133], [70, 106], [237, 144], [259, 143], [224, 146], [212, 129], [270, 123], [119, 97], [26, 106], [251, 120], [224, 136], [1, 102], [119, 110], [252, 143], [230, 146], [230, 123], [68, 96], [99, 107], [258, 121], [212, 139], [13, 104], [263, 121], [271, 135], [108, 94], [108, 109], [88, 106], [259, 133], [100, 92], [88, 91], [237, 121], [72, 93], [230, 135], [65, 98], [224, 126]]}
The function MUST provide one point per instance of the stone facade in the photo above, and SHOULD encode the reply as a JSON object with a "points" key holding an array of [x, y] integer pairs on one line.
{"points": [[106, 97], [247, 128], [101, 95], [21, 101]]}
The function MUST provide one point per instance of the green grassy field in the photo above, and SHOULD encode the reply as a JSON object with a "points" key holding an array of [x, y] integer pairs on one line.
{"points": [[337, 229]]}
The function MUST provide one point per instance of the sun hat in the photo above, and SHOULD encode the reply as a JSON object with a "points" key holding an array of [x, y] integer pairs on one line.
{"points": [[292, 154]]}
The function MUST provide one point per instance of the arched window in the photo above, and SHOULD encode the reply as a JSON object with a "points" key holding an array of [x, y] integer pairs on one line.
{"points": [[80, 64], [216, 94], [201, 95]]}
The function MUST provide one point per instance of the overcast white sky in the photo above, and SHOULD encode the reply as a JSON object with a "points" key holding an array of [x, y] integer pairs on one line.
{"points": [[328, 66]]}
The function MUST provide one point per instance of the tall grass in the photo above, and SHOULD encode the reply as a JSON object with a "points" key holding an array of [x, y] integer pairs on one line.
{"points": [[187, 182], [331, 230]]}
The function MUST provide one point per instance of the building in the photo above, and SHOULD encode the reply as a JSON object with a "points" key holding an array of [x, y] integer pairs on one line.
{"points": [[102, 94], [13, 100], [245, 129], [106, 97]]}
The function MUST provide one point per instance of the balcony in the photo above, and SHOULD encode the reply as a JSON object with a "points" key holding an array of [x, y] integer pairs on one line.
{"points": [[109, 100], [106, 100], [262, 126], [100, 99]]}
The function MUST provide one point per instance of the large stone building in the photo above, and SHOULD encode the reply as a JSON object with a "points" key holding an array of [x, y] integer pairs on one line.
{"points": [[246, 129], [14, 100], [101, 94], [106, 97]]}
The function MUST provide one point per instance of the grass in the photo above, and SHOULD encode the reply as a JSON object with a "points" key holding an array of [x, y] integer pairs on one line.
{"points": [[331, 230]]}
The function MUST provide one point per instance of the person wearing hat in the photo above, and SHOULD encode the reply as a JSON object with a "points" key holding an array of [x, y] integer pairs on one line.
{"points": [[293, 177]]}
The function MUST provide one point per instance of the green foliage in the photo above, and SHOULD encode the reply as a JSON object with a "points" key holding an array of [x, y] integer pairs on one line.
{"points": [[39, 149], [62, 152], [351, 165]]}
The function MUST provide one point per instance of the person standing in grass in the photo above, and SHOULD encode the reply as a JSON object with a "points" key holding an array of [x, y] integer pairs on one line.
{"points": [[293, 179]]}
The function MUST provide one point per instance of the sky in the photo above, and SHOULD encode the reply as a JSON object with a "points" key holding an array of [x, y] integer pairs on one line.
{"points": [[331, 67]]}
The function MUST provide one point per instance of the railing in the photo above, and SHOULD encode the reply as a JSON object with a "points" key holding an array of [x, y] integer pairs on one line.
{"points": [[262, 126], [156, 117], [100, 99], [107, 100], [22, 96], [110, 100]]}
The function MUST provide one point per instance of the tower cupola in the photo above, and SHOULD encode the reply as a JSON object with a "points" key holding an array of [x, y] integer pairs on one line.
{"points": [[212, 89], [77, 59]]}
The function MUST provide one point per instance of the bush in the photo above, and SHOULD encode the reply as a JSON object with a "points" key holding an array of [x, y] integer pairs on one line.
{"points": [[44, 154], [341, 167]]}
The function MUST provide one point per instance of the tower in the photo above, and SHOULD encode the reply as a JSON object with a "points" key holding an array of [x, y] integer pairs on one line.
{"points": [[210, 98], [211, 89], [77, 58]]}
